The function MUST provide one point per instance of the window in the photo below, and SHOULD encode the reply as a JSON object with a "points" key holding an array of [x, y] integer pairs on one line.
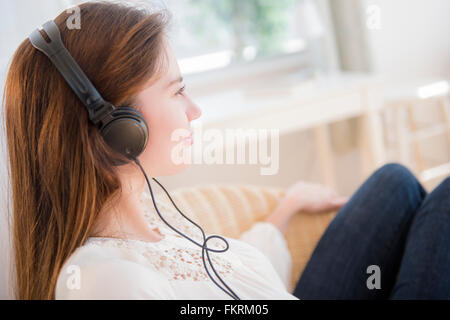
{"points": [[210, 34], [214, 40], [229, 41]]}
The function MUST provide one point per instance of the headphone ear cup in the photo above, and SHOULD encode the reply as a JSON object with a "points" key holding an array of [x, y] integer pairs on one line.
{"points": [[126, 132]]}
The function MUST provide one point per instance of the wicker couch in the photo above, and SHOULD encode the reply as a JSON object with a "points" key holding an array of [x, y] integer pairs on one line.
{"points": [[229, 210]]}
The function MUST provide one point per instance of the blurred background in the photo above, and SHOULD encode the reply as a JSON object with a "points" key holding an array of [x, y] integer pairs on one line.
{"points": [[349, 84]]}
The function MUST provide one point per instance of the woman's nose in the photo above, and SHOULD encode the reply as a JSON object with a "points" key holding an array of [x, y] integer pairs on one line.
{"points": [[193, 112]]}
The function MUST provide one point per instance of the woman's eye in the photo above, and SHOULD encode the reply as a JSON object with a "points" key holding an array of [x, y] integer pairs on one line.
{"points": [[181, 90]]}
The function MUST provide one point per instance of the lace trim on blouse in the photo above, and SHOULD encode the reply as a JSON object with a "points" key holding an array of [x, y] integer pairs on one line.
{"points": [[175, 256]]}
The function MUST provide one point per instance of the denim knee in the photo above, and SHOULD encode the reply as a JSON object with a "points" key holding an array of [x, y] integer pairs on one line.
{"points": [[444, 186], [440, 197], [395, 176]]}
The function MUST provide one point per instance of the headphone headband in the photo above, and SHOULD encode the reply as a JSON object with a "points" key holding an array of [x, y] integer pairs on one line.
{"points": [[71, 71], [124, 129]]}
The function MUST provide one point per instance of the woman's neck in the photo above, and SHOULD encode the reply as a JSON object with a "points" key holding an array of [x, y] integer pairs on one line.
{"points": [[125, 218]]}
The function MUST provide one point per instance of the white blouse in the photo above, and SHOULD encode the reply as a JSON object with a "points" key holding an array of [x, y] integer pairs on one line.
{"points": [[256, 266]]}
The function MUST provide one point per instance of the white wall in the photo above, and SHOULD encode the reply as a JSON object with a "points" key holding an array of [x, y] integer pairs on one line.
{"points": [[414, 38]]}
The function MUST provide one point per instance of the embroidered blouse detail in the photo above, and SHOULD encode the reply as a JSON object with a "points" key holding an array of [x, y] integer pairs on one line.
{"points": [[166, 256]]}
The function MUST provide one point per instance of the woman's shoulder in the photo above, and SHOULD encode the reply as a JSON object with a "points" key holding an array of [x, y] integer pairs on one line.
{"points": [[95, 271]]}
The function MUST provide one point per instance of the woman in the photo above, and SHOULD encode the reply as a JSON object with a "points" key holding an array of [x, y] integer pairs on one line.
{"points": [[82, 231]]}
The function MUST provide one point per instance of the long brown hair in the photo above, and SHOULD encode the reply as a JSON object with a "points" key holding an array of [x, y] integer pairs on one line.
{"points": [[61, 170]]}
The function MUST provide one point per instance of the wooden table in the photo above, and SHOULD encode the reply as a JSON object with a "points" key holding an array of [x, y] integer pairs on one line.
{"points": [[290, 105]]}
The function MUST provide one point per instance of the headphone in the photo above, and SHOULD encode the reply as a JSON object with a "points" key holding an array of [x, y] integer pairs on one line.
{"points": [[123, 128]]}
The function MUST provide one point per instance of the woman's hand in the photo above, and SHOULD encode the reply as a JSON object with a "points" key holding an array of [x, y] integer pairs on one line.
{"points": [[306, 197], [313, 197]]}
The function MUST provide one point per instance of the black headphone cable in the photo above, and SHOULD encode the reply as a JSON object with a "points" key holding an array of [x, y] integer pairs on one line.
{"points": [[204, 246]]}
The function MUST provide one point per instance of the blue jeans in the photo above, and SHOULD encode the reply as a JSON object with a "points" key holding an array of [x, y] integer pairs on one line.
{"points": [[393, 224]]}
